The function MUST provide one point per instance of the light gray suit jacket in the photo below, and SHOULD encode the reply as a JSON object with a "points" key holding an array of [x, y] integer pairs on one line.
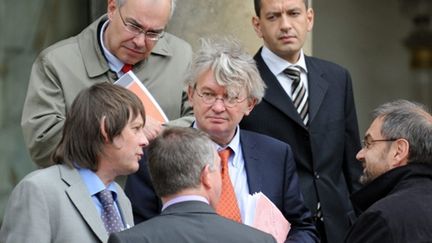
{"points": [[54, 205]]}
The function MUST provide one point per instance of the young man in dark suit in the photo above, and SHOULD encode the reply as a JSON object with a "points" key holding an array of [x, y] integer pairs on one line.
{"points": [[185, 170], [308, 104]]}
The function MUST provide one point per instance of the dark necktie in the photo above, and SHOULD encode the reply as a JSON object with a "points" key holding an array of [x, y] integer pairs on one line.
{"points": [[298, 93], [227, 205], [126, 68], [110, 216]]}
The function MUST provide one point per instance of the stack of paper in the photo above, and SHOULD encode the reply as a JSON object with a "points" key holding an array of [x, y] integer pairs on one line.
{"points": [[130, 81], [262, 214]]}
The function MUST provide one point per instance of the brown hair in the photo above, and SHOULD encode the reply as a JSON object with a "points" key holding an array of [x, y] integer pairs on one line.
{"points": [[82, 141]]}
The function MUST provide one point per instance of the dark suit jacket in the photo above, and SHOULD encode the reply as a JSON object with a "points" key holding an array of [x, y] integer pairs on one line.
{"points": [[191, 221], [325, 151], [270, 168]]}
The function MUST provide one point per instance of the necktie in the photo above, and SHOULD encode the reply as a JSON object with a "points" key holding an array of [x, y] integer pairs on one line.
{"points": [[298, 93], [227, 205], [110, 216], [126, 68]]}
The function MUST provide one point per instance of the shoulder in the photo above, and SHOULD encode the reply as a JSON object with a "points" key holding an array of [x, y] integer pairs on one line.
{"points": [[261, 139], [42, 181], [244, 233], [62, 50], [328, 66], [173, 44]]}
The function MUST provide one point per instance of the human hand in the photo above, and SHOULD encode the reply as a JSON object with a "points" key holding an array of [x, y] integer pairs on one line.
{"points": [[152, 128]]}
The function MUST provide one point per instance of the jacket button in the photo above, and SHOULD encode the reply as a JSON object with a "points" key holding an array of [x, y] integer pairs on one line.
{"points": [[316, 175]]}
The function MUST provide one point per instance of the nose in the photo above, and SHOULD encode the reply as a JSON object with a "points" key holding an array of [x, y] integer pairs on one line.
{"points": [[219, 105], [140, 40], [143, 141], [285, 22], [360, 154]]}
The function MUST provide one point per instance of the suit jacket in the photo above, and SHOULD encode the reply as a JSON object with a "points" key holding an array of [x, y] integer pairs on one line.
{"points": [[325, 151], [54, 205], [190, 221], [270, 168], [64, 69]]}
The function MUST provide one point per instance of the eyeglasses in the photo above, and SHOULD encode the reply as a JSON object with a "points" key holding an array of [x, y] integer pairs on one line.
{"points": [[210, 98], [368, 141], [136, 30]]}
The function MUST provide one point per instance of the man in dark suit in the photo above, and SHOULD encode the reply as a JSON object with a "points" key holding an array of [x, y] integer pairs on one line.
{"points": [[185, 171], [321, 125], [224, 86]]}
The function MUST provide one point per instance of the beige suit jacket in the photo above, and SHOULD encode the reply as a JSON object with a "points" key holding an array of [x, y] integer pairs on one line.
{"points": [[64, 69]]}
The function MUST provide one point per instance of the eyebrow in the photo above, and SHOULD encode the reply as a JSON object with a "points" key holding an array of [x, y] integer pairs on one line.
{"points": [[134, 22]]}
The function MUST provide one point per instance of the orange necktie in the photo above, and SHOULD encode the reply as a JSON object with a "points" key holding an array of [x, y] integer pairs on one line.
{"points": [[126, 68], [227, 205]]}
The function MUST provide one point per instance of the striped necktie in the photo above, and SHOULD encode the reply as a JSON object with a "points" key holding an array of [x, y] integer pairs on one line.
{"points": [[298, 93]]}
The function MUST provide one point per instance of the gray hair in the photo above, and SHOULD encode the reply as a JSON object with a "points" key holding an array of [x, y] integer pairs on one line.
{"points": [[173, 5], [177, 157], [411, 121], [233, 67]]}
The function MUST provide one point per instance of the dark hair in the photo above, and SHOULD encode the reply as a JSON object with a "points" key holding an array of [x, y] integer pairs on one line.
{"points": [[82, 141], [177, 157], [257, 5], [411, 121]]}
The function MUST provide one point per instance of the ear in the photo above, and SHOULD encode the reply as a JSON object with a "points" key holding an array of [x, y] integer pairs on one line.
{"points": [[205, 178], [102, 128], [111, 8], [251, 105], [190, 93], [310, 19], [256, 25], [401, 152]]}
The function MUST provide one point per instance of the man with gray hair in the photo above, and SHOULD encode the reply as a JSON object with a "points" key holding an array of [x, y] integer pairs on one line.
{"points": [[223, 87], [131, 36], [397, 161], [185, 170]]}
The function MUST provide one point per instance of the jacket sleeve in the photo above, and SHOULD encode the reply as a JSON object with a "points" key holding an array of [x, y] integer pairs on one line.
{"points": [[351, 167], [43, 112], [300, 218]]}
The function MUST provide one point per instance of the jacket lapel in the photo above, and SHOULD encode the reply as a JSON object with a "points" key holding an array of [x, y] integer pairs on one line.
{"points": [[275, 94], [251, 160], [317, 87], [82, 201]]}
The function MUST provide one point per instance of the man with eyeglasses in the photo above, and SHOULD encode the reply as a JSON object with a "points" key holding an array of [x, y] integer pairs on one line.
{"points": [[130, 36], [223, 87], [397, 161]]}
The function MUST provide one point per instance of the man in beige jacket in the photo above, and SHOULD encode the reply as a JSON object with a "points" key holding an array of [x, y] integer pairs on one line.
{"points": [[131, 33]]}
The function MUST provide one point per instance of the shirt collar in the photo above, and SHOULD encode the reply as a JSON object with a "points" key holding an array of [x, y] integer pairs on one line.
{"points": [[277, 64], [93, 183], [234, 144], [113, 62], [184, 199]]}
